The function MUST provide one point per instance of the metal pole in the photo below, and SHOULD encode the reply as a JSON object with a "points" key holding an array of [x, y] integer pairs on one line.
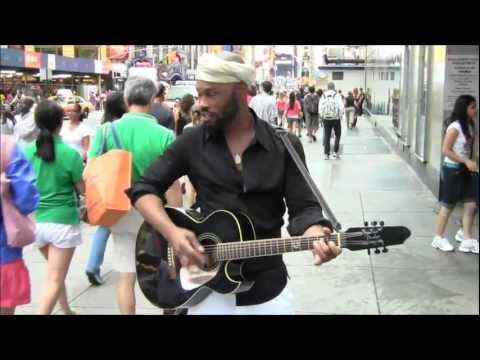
{"points": [[312, 63], [366, 60]]}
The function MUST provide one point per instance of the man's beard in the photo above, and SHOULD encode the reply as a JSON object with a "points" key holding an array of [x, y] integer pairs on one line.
{"points": [[226, 117]]}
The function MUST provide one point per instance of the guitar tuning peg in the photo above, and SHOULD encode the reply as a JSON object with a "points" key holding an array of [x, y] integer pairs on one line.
{"points": [[385, 249], [382, 223], [365, 223], [374, 223], [377, 251]]}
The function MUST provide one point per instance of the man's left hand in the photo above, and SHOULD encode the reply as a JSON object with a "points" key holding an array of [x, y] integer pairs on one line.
{"points": [[323, 251]]}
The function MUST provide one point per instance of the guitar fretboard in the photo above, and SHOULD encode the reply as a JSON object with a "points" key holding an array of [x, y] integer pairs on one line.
{"points": [[258, 248]]}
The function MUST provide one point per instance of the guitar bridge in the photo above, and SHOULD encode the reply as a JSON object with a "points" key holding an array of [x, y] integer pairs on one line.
{"points": [[171, 257], [172, 266]]}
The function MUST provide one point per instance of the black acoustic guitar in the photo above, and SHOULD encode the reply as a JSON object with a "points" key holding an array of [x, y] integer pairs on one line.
{"points": [[229, 239]]}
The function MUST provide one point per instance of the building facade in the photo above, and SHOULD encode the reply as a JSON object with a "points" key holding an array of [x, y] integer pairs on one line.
{"points": [[431, 78]]}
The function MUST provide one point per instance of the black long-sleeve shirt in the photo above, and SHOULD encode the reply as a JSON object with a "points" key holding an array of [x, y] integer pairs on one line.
{"points": [[268, 180]]}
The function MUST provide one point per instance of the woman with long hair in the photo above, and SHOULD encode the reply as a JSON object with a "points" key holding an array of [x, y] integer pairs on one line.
{"points": [[349, 108], [184, 113], [456, 178], [356, 101], [76, 134], [281, 105], [292, 112], [59, 171], [115, 107]]}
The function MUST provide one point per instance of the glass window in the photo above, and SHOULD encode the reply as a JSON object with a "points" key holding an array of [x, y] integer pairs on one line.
{"points": [[382, 93], [337, 75]]}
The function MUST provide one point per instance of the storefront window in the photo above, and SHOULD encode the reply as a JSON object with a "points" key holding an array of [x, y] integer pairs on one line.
{"points": [[383, 66]]}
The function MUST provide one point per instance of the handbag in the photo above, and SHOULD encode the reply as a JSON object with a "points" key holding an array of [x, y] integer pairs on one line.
{"points": [[19, 228], [106, 179]]}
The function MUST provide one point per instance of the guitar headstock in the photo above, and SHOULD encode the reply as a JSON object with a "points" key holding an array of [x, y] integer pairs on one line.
{"points": [[375, 236]]}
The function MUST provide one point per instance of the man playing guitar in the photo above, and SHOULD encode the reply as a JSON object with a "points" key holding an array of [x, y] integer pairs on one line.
{"points": [[236, 162]]}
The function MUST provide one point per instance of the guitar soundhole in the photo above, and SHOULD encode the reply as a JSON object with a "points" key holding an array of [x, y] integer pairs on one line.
{"points": [[207, 241]]}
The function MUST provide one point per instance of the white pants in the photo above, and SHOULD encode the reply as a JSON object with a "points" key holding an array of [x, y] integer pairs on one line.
{"points": [[225, 304], [124, 235]]}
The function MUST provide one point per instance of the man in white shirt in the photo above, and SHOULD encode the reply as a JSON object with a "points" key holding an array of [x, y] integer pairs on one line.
{"points": [[331, 109], [26, 131], [265, 105]]}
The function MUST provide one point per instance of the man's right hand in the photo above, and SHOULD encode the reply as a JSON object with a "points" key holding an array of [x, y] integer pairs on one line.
{"points": [[187, 248]]}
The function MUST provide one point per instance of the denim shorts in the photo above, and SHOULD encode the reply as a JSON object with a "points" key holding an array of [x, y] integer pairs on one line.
{"points": [[456, 185]]}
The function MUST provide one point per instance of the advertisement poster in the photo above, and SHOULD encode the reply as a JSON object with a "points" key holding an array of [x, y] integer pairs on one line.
{"points": [[118, 52], [461, 78], [33, 60]]}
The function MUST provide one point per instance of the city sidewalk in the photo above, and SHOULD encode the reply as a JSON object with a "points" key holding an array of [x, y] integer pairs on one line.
{"points": [[369, 183]]}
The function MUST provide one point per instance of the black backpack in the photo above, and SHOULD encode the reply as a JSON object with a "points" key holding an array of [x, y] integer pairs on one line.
{"points": [[311, 103]]}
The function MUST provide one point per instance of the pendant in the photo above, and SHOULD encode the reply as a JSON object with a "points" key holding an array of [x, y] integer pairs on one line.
{"points": [[238, 159]]}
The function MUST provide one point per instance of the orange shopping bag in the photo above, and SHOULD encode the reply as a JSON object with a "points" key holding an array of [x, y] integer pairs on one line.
{"points": [[106, 179]]}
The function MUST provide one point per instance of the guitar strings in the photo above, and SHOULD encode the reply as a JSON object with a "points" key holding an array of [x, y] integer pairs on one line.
{"points": [[266, 242], [222, 256], [268, 247], [330, 237]]}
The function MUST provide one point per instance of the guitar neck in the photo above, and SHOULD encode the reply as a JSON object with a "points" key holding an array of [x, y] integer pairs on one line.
{"points": [[270, 247]]}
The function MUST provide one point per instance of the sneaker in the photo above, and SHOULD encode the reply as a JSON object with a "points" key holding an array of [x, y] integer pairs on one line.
{"points": [[470, 245], [327, 157], [336, 156], [442, 244], [459, 235], [95, 279]]}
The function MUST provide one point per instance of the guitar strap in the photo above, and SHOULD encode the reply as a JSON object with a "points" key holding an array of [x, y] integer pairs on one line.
{"points": [[283, 134]]}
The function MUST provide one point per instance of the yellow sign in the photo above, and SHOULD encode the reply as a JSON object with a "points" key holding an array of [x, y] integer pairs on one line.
{"points": [[103, 52], [69, 51], [215, 49], [171, 56], [30, 48]]}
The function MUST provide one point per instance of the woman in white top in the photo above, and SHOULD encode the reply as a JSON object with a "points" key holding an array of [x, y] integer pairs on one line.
{"points": [[456, 179], [76, 134]]}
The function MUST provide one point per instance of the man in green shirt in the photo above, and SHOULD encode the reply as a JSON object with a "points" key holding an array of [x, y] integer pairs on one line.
{"points": [[141, 135]]}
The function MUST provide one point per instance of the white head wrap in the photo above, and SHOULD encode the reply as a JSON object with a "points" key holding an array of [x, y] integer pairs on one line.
{"points": [[212, 68]]}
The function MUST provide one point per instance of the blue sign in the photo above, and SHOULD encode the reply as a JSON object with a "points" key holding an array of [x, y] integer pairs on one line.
{"points": [[16, 58], [74, 65], [12, 57]]}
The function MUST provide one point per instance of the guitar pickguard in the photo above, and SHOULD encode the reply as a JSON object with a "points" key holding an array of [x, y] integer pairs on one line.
{"points": [[193, 277]]}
